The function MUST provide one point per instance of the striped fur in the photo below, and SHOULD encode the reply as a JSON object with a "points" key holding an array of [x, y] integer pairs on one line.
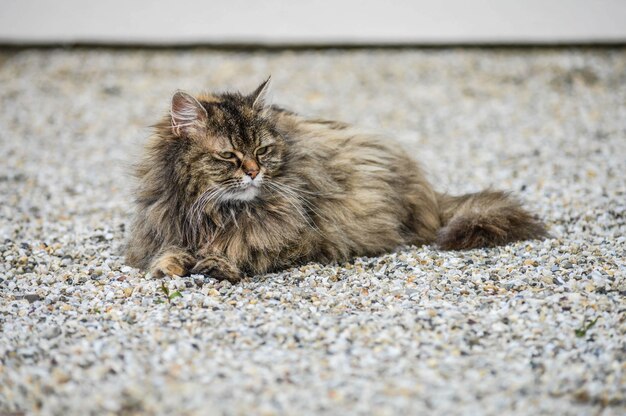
{"points": [[318, 191]]}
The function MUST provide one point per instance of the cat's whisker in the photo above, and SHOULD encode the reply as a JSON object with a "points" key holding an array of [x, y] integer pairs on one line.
{"points": [[194, 215], [201, 201], [303, 200], [229, 182], [214, 197], [296, 189], [309, 204], [289, 199], [232, 214], [194, 207]]}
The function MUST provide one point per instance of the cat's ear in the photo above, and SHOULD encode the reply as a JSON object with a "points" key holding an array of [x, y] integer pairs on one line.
{"points": [[188, 115], [260, 96]]}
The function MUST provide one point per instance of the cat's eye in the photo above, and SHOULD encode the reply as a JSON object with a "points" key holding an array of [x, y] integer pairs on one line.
{"points": [[262, 150], [227, 155]]}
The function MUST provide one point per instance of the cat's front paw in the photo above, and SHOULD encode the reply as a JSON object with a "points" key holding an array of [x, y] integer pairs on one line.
{"points": [[218, 268], [172, 263]]}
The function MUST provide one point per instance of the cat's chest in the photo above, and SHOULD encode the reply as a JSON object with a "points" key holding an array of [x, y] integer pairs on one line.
{"points": [[245, 232]]}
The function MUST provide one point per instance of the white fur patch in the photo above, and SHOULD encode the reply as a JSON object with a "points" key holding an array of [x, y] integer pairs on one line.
{"points": [[248, 194], [249, 189]]}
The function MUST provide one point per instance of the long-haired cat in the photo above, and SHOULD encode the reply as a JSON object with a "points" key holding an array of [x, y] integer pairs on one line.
{"points": [[231, 186]]}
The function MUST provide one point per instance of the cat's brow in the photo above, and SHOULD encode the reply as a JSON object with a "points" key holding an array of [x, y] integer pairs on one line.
{"points": [[230, 141], [237, 123], [266, 140]]}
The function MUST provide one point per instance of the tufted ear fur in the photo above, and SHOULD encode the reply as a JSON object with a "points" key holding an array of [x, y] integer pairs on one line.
{"points": [[189, 117], [260, 96]]}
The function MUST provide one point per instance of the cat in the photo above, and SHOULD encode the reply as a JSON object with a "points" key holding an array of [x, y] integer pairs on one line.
{"points": [[231, 186]]}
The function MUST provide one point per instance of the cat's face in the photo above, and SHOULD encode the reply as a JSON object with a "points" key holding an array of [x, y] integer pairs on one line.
{"points": [[233, 149]]}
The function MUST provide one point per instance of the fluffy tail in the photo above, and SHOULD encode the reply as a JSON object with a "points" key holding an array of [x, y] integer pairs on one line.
{"points": [[485, 219]]}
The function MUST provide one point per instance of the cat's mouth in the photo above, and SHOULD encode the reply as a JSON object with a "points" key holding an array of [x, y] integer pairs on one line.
{"points": [[247, 181], [247, 190], [245, 194]]}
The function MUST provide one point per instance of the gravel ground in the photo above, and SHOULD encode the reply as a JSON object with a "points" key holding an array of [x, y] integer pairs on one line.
{"points": [[488, 331]]}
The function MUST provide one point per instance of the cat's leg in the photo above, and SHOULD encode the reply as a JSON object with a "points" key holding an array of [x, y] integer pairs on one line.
{"points": [[218, 267], [172, 262]]}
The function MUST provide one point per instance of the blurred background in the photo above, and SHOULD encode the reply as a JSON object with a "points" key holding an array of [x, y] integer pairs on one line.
{"points": [[325, 22]]}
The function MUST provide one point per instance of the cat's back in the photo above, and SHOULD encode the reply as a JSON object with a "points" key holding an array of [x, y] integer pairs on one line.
{"points": [[371, 189], [341, 145]]}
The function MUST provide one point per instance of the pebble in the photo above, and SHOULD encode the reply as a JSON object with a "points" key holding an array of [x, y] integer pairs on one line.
{"points": [[32, 297]]}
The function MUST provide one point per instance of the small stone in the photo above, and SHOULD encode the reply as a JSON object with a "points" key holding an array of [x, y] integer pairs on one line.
{"points": [[27, 352], [32, 297], [52, 332], [60, 377]]}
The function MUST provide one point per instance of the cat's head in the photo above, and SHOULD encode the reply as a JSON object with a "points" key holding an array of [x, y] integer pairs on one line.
{"points": [[231, 143]]}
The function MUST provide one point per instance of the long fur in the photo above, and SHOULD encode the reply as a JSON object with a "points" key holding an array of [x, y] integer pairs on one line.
{"points": [[484, 219], [329, 193]]}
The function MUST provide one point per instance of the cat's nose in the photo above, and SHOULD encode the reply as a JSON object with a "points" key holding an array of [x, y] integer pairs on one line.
{"points": [[252, 173], [250, 168]]}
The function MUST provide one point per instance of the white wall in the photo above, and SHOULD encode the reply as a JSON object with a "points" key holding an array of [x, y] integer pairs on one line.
{"points": [[312, 22]]}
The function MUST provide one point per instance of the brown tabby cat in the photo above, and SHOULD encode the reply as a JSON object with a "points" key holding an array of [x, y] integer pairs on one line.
{"points": [[231, 186]]}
